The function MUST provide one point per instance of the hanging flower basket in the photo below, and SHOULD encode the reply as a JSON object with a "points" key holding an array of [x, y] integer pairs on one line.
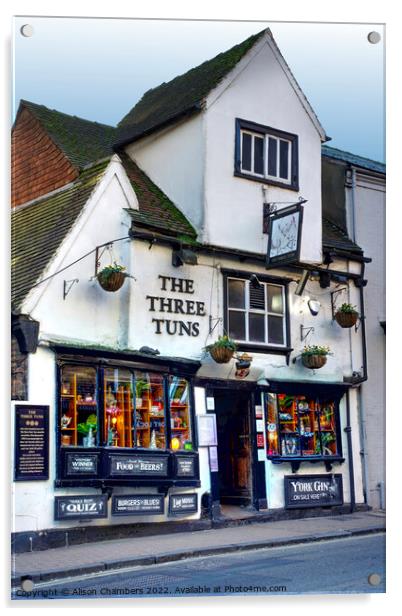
{"points": [[112, 277], [346, 316], [315, 357], [314, 362], [222, 350]]}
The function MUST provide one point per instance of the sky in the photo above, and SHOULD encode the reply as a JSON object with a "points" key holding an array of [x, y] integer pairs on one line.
{"points": [[99, 68]]}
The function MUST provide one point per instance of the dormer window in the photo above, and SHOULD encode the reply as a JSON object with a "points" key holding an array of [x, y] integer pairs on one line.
{"points": [[266, 154]]}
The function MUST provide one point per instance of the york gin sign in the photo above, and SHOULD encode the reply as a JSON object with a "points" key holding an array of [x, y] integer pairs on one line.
{"points": [[313, 491]]}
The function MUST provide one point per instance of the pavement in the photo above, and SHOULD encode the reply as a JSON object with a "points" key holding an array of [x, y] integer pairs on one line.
{"points": [[104, 556]]}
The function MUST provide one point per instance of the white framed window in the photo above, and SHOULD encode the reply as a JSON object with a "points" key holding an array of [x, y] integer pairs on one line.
{"points": [[266, 154], [256, 315]]}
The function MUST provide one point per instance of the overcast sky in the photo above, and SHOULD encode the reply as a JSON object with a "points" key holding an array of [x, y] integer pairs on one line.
{"points": [[99, 68]]}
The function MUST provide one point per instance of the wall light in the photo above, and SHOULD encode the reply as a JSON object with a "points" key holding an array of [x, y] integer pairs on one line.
{"points": [[314, 306], [183, 255]]}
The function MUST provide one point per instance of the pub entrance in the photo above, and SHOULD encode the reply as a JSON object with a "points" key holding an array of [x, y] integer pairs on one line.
{"points": [[234, 447]]}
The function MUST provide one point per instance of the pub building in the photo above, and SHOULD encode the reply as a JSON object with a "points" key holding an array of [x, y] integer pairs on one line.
{"points": [[210, 207]]}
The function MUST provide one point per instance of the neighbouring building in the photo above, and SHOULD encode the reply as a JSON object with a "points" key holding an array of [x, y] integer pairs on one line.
{"points": [[209, 194], [354, 200]]}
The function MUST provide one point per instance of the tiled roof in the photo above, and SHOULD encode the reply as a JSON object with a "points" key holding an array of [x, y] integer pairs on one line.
{"points": [[156, 210], [335, 237], [37, 230], [183, 94], [353, 159], [82, 141]]}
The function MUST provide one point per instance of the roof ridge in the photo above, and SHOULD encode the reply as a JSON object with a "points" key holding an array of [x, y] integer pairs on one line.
{"points": [[68, 115]]}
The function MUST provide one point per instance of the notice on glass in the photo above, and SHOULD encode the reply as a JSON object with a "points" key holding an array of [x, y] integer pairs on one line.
{"points": [[31, 443], [207, 435], [213, 459]]}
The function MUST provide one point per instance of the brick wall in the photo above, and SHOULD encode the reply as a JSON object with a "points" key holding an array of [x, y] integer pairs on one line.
{"points": [[38, 166], [19, 372]]}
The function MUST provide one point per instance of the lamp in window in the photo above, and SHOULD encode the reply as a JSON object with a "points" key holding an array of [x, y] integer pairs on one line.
{"points": [[314, 306]]}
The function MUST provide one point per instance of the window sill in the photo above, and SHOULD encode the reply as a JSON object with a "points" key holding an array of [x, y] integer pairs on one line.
{"points": [[295, 461], [294, 186]]}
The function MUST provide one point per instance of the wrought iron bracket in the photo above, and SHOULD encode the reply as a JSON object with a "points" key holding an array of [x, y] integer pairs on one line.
{"points": [[305, 331], [333, 302], [216, 320], [67, 286]]}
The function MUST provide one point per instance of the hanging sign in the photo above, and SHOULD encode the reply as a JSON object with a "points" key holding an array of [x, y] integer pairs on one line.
{"points": [[31, 442], [138, 504], [313, 491], [80, 507], [284, 241]]}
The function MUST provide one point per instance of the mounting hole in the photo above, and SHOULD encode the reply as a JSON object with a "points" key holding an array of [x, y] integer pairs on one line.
{"points": [[374, 579], [374, 37], [27, 585], [27, 30]]}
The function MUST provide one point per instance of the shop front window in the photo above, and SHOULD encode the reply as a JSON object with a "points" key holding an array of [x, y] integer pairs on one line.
{"points": [[180, 421], [79, 407], [120, 407], [300, 426]]}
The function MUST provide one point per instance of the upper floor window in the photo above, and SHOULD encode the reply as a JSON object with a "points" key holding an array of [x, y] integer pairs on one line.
{"points": [[266, 154], [256, 314]]}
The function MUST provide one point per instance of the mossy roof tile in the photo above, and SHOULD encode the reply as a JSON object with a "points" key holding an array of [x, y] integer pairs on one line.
{"points": [[181, 95], [82, 141]]}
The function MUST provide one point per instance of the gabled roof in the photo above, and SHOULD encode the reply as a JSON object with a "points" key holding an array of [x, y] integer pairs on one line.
{"points": [[82, 141], [182, 95], [37, 230], [353, 159], [156, 210], [185, 95]]}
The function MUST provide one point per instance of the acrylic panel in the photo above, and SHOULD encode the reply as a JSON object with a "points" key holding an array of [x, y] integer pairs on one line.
{"points": [[198, 308]]}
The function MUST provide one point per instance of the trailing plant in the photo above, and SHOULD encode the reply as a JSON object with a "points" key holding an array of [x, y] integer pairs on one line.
{"points": [[223, 342], [316, 350], [348, 309], [107, 271]]}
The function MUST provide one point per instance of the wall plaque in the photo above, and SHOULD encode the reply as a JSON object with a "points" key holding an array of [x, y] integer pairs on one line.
{"points": [[138, 465], [183, 504], [185, 466], [82, 463], [138, 504], [313, 491], [31, 462], [80, 507]]}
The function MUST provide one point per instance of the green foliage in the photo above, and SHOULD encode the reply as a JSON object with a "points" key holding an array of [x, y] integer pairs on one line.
{"points": [[316, 350], [223, 342], [141, 386], [348, 309], [107, 271], [91, 422]]}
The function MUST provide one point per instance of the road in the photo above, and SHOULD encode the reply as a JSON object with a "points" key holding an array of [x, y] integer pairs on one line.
{"points": [[336, 566]]}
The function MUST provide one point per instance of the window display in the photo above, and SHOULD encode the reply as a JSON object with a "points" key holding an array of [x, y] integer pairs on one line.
{"points": [[119, 407], [300, 426]]}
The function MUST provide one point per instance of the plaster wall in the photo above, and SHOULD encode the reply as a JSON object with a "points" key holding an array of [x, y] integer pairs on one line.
{"points": [[260, 93], [174, 159]]}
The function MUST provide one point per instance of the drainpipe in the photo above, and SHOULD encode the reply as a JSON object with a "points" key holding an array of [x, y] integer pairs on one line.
{"points": [[351, 183], [348, 431]]}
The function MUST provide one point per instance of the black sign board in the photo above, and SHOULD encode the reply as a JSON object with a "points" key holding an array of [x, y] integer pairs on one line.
{"points": [[285, 228], [313, 491], [185, 466], [138, 465], [82, 463], [31, 442], [80, 507], [138, 504], [183, 504]]}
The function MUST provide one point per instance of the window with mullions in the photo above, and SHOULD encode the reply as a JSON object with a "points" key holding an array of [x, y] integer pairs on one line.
{"points": [[266, 154], [256, 315], [139, 409], [300, 426]]}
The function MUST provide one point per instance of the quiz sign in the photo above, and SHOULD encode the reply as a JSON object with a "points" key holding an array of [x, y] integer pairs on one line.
{"points": [[80, 507]]}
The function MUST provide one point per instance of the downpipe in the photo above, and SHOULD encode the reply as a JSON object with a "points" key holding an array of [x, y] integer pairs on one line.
{"points": [[348, 431]]}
